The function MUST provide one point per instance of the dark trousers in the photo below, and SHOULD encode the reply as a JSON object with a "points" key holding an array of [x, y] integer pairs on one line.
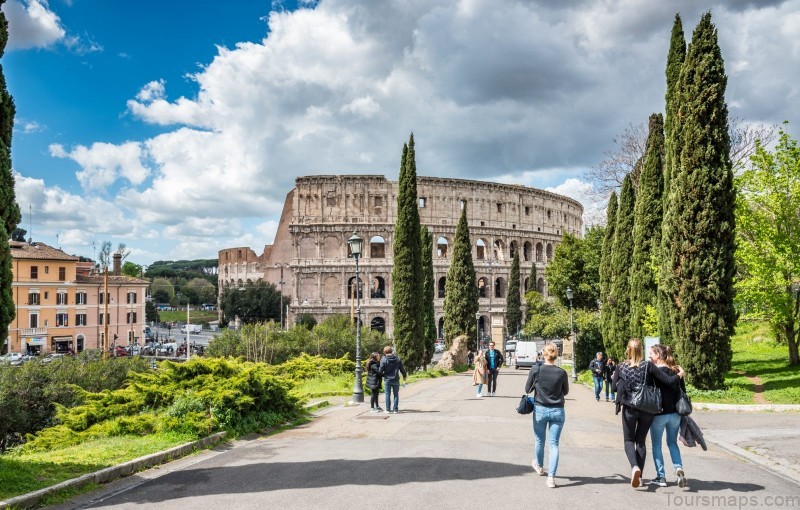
{"points": [[492, 386], [635, 426], [373, 398]]}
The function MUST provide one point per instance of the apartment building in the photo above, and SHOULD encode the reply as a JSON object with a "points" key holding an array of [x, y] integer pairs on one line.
{"points": [[60, 303]]}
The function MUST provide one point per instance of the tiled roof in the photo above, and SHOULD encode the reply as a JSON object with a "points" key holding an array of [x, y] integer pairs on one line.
{"points": [[37, 251], [112, 280]]}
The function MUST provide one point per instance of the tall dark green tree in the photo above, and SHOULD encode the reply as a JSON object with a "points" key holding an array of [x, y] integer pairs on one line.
{"points": [[461, 292], [619, 294], [648, 214], [429, 316], [675, 59], [513, 299], [9, 210], [606, 258], [532, 276], [700, 223], [406, 273]]}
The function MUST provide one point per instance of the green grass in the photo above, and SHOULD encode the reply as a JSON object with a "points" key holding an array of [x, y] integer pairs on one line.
{"points": [[196, 316], [327, 385], [21, 473]]}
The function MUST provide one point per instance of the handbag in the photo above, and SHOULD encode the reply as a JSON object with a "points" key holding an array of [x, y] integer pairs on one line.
{"points": [[525, 405], [684, 405], [646, 398]]}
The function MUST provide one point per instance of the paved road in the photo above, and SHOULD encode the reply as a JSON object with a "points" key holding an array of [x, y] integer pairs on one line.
{"points": [[447, 449]]}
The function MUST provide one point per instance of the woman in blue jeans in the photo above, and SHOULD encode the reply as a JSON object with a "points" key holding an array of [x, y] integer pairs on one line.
{"points": [[668, 420], [550, 384]]}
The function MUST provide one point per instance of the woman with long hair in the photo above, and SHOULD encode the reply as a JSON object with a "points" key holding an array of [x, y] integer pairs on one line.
{"points": [[667, 420], [630, 375], [479, 374], [374, 381], [550, 384]]}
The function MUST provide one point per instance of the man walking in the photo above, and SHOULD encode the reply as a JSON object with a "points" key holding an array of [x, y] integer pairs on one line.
{"points": [[598, 374], [494, 360], [391, 367]]}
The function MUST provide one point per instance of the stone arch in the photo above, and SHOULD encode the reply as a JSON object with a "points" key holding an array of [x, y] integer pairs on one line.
{"points": [[526, 251], [351, 288], [483, 287], [539, 252], [512, 248], [499, 250], [442, 247], [330, 289], [377, 288], [441, 287], [549, 252], [500, 287], [378, 324], [332, 247], [540, 286], [307, 248], [377, 247], [480, 249], [527, 281]]}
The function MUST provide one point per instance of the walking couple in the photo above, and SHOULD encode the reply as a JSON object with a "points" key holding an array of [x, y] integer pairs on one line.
{"points": [[487, 366]]}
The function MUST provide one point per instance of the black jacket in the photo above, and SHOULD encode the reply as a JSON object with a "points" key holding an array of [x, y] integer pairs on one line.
{"points": [[498, 360], [629, 379], [597, 366], [669, 393], [374, 375], [391, 368]]}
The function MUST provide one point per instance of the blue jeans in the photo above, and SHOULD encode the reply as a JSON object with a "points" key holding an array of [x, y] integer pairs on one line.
{"points": [[389, 387], [609, 389], [672, 423], [598, 387], [541, 417]]}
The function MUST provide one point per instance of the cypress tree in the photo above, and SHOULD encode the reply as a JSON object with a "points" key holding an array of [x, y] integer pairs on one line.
{"points": [[406, 274], [700, 223], [9, 210], [429, 316], [532, 279], [647, 228], [606, 256], [461, 292], [619, 294], [513, 300]]}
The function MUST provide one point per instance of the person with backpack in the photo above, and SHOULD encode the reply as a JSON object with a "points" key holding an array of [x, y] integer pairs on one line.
{"points": [[391, 368], [598, 371], [630, 378], [374, 381]]}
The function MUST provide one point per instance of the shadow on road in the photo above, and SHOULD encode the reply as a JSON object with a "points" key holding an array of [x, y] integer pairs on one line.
{"points": [[694, 485]]}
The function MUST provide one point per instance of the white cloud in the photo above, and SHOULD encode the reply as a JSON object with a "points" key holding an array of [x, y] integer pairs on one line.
{"points": [[31, 24], [104, 163], [30, 126]]}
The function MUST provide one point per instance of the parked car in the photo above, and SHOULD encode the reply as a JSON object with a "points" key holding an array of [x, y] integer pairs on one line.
{"points": [[120, 351], [438, 347]]}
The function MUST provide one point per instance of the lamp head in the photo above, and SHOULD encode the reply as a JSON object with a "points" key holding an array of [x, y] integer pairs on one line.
{"points": [[569, 294], [477, 316], [355, 245]]}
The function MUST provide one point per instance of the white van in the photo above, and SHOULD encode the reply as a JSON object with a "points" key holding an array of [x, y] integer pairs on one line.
{"points": [[525, 354], [192, 328]]}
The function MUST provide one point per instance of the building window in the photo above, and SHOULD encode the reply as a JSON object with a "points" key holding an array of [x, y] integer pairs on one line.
{"points": [[107, 296], [33, 320], [527, 210], [62, 319], [131, 318], [462, 203], [422, 202], [107, 316], [34, 272], [62, 274], [33, 299], [46, 269], [499, 207], [80, 298], [61, 298], [131, 297], [80, 319]]}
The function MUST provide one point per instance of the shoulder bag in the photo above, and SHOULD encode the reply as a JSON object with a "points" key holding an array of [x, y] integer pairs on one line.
{"points": [[646, 398], [526, 403], [684, 405]]}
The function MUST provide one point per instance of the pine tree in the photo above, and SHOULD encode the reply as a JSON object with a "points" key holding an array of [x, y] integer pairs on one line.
{"points": [[513, 299], [606, 258], [461, 292], [619, 294], [647, 229], [700, 222], [429, 316], [9, 210], [532, 279], [406, 274]]}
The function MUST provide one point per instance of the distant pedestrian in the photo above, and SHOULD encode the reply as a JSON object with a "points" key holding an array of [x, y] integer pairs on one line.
{"points": [[549, 384], [479, 375], [598, 369], [470, 358], [611, 367], [630, 376], [667, 420], [391, 368], [494, 360], [374, 381]]}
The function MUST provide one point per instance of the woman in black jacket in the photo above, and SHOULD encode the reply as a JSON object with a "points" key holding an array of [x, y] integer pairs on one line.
{"points": [[629, 376], [374, 381]]}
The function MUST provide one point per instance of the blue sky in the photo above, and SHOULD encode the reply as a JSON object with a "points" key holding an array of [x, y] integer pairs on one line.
{"points": [[179, 128]]}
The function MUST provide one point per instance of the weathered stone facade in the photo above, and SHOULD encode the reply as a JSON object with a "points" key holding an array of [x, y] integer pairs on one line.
{"points": [[323, 211]]}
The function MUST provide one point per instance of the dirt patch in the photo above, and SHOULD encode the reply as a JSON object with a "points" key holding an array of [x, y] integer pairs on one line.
{"points": [[758, 387]]}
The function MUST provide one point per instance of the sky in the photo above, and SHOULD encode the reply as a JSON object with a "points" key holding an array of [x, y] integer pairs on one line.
{"points": [[179, 129]]}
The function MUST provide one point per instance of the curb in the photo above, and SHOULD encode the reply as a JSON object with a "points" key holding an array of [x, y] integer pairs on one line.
{"points": [[773, 467], [111, 473], [747, 408]]}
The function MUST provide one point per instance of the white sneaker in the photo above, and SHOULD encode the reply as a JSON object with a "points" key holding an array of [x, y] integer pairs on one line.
{"points": [[479, 395], [536, 467], [681, 477], [636, 477], [551, 482]]}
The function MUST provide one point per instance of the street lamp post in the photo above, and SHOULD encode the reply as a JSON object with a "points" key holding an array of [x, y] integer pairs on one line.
{"points": [[355, 248], [477, 332], [572, 337], [281, 282]]}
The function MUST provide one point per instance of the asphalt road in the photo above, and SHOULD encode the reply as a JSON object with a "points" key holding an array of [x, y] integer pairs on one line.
{"points": [[447, 449]]}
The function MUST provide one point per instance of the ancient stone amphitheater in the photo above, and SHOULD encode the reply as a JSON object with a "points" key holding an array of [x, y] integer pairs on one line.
{"points": [[311, 252]]}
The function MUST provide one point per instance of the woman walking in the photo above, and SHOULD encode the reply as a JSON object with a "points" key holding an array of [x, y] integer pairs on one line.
{"points": [[667, 420], [479, 374], [374, 381], [611, 367], [630, 376], [550, 384]]}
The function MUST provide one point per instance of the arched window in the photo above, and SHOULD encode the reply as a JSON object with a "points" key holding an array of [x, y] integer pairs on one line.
{"points": [[539, 252], [378, 288], [512, 249], [499, 250], [526, 251], [499, 287], [483, 285], [540, 286], [442, 282], [377, 248], [378, 324], [526, 284], [549, 252], [351, 288], [441, 247], [480, 249]]}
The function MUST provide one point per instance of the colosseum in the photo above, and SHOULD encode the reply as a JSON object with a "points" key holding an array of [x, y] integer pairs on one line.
{"points": [[309, 258]]}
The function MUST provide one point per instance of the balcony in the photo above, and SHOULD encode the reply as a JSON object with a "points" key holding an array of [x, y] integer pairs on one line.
{"points": [[34, 331]]}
